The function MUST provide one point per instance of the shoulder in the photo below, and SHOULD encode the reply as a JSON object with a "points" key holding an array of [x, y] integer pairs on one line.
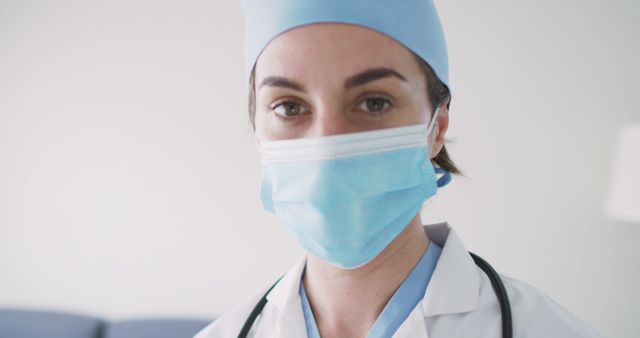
{"points": [[231, 322], [537, 315]]}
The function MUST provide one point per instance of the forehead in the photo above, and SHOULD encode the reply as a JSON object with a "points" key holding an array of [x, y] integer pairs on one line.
{"points": [[332, 50]]}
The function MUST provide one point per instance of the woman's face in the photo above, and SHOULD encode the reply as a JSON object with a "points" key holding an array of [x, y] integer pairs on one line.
{"points": [[327, 79]]}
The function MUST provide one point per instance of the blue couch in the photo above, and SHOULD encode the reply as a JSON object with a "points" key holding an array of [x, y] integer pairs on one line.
{"points": [[21, 323]]}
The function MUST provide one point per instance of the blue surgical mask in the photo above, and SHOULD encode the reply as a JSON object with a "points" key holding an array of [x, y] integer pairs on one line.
{"points": [[346, 197]]}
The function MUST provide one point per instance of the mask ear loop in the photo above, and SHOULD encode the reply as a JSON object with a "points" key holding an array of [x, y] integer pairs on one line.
{"points": [[444, 179], [445, 176], [433, 121]]}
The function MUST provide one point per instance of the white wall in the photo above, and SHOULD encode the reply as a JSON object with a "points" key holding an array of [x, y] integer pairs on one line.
{"points": [[129, 177]]}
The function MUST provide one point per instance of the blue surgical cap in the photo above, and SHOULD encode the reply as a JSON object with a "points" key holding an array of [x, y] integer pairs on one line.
{"points": [[413, 23]]}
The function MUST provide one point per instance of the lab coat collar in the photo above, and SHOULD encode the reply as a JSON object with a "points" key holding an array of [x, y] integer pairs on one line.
{"points": [[285, 296], [454, 286], [287, 291]]}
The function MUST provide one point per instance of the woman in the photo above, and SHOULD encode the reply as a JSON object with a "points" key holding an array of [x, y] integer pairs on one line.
{"points": [[349, 101]]}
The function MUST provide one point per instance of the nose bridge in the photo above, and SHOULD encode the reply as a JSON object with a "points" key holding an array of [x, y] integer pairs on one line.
{"points": [[330, 122], [330, 117]]}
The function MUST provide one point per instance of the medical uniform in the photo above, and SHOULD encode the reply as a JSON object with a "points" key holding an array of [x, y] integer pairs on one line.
{"points": [[459, 302]]}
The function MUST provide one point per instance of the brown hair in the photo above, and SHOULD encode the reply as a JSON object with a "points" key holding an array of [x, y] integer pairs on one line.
{"points": [[438, 92]]}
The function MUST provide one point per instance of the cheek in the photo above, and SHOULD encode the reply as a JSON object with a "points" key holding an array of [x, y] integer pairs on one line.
{"points": [[416, 114], [412, 111]]}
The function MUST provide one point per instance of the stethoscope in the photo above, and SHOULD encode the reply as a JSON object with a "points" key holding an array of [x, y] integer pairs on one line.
{"points": [[496, 282]]}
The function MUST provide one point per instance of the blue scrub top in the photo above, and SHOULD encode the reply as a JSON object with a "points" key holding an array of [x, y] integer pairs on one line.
{"points": [[403, 301]]}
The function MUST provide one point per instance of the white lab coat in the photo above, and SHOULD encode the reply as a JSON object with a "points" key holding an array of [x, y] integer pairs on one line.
{"points": [[459, 302]]}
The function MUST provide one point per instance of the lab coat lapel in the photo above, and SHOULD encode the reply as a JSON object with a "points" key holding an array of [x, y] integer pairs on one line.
{"points": [[414, 326], [285, 297], [455, 284]]}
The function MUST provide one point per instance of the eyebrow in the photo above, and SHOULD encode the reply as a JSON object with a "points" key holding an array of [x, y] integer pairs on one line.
{"points": [[362, 78], [370, 75], [283, 82]]}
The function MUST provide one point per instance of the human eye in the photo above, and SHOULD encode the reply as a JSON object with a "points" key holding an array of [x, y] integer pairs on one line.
{"points": [[288, 109], [376, 105]]}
